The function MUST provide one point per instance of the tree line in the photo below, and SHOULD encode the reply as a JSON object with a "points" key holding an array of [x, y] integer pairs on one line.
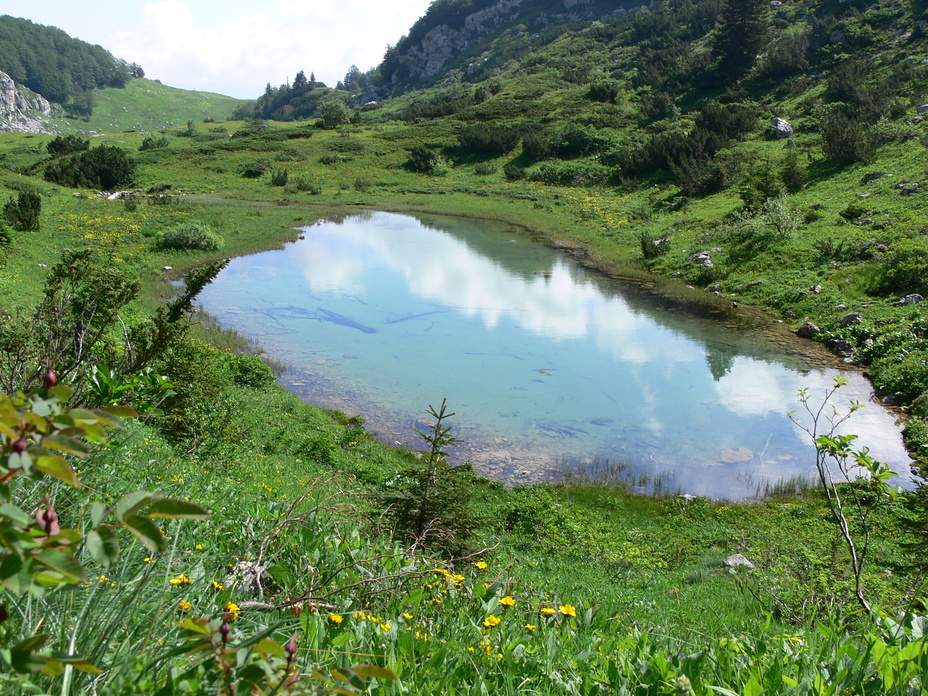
{"points": [[60, 68]]}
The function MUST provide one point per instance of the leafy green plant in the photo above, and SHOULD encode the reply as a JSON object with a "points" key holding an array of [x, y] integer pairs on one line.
{"points": [[279, 176], [436, 510], [838, 463], [23, 212], [38, 554], [190, 236], [154, 142], [104, 167]]}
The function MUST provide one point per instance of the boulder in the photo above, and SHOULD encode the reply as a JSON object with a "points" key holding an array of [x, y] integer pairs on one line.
{"points": [[843, 349], [808, 330], [923, 109], [914, 298], [780, 128], [851, 319], [736, 561], [701, 258]]}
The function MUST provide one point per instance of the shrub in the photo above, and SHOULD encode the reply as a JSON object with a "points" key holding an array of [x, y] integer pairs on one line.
{"points": [[363, 184], [301, 183], [334, 114], [906, 270], [279, 176], [5, 237], [484, 169], [513, 172], [422, 160], [189, 236], [153, 142], [605, 91], [105, 167], [492, 140], [536, 146], [67, 144], [23, 212], [577, 141], [847, 140], [653, 246], [570, 173]]}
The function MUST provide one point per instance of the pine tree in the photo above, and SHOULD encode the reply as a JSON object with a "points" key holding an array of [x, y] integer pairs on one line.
{"points": [[300, 80], [741, 35]]}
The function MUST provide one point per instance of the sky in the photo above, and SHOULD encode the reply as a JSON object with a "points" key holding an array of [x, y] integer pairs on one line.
{"points": [[233, 47]]}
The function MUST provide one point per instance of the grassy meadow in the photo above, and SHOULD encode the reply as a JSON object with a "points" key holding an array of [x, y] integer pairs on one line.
{"points": [[330, 561]]}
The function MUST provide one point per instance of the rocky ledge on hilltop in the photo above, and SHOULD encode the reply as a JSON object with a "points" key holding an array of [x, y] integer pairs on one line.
{"points": [[21, 112]]}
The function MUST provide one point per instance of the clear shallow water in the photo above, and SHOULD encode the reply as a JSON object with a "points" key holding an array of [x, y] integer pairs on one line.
{"points": [[545, 363]]}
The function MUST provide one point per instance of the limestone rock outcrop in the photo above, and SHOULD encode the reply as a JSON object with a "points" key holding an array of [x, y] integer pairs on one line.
{"points": [[21, 112]]}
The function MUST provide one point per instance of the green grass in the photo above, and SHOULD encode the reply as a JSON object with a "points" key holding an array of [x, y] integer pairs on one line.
{"points": [[147, 105], [652, 603]]}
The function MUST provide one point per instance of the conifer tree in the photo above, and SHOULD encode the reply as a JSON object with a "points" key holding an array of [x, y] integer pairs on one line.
{"points": [[741, 35]]}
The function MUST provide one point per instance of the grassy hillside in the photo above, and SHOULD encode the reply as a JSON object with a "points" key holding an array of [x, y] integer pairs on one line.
{"points": [[147, 105]]}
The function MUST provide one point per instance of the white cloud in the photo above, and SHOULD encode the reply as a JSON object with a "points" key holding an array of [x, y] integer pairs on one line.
{"points": [[243, 46]]}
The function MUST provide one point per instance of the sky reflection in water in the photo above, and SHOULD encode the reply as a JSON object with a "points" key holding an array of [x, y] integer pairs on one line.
{"points": [[545, 363]]}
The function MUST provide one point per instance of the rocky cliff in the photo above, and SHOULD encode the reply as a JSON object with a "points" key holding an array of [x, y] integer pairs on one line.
{"points": [[20, 112], [424, 56]]}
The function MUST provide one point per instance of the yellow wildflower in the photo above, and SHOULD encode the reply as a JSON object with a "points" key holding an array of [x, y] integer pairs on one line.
{"points": [[180, 580], [385, 626], [491, 621], [407, 616], [233, 608], [530, 628], [185, 605], [218, 585], [548, 611], [336, 618], [481, 565], [507, 601], [568, 610]]}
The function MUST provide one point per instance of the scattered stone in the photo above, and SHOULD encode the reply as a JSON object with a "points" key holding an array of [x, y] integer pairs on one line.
{"points": [[808, 330], [735, 561], [817, 289], [840, 307], [687, 498], [837, 36], [169, 268], [914, 298], [864, 221], [851, 319], [701, 258], [923, 109], [843, 349], [247, 576], [893, 399], [780, 128]]}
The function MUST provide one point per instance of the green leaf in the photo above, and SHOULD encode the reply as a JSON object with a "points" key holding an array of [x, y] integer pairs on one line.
{"points": [[374, 672], [65, 563], [76, 662], [178, 509], [68, 445], [30, 644], [98, 512], [15, 515], [132, 503], [56, 466], [146, 531], [193, 625], [16, 575], [267, 646], [119, 412], [103, 545]]}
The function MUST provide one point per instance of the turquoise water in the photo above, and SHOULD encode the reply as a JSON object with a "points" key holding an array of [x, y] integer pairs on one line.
{"points": [[546, 364]]}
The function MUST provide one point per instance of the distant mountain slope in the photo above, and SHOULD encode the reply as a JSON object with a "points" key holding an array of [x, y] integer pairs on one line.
{"points": [[450, 28], [148, 105]]}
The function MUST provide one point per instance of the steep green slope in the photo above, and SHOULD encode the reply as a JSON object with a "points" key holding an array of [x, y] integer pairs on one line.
{"points": [[148, 105]]}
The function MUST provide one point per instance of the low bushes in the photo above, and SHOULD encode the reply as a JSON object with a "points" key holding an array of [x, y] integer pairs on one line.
{"points": [[189, 236]]}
